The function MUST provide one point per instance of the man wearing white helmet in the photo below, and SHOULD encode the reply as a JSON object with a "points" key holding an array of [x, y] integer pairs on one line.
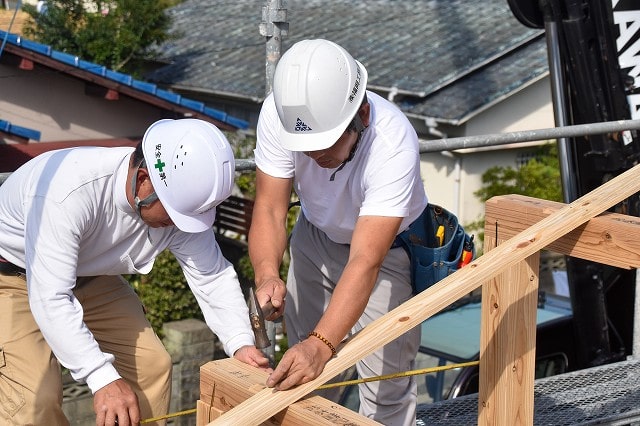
{"points": [[353, 160], [71, 222]]}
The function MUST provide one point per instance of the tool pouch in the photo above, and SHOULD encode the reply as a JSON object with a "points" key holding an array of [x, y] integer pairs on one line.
{"points": [[432, 258]]}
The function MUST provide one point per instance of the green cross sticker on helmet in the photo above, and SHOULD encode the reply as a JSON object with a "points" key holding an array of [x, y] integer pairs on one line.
{"points": [[159, 165], [318, 88], [193, 170]]}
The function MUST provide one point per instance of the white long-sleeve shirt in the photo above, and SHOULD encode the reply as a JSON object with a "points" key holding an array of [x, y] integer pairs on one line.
{"points": [[65, 215]]}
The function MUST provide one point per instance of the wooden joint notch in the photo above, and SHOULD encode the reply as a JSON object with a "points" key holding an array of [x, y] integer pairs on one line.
{"points": [[610, 238]]}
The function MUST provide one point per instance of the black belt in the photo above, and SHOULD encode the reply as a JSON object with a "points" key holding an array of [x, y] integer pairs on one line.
{"points": [[8, 268]]}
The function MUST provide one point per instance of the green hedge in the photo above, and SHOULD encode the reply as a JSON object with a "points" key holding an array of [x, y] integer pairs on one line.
{"points": [[164, 293]]}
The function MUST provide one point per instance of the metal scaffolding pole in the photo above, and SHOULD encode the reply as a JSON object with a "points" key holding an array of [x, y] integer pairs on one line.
{"points": [[274, 26], [496, 139], [490, 140]]}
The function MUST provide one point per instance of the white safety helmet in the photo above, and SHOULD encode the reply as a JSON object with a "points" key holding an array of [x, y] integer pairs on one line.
{"points": [[192, 170], [318, 88]]}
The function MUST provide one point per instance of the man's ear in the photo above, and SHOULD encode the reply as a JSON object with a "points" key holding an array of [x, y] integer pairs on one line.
{"points": [[365, 114], [143, 175]]}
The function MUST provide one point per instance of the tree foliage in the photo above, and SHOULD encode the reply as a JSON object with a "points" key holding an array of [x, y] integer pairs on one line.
{"points": [[119, 34], [539, 178]]}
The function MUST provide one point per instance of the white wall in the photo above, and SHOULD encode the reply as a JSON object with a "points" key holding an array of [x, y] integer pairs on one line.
{"points": [[56, 105], [528, 109]]}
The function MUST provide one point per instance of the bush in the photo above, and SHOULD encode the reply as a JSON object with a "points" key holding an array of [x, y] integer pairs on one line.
{"points": [[164, 293], [539, 178], [119, 34]]}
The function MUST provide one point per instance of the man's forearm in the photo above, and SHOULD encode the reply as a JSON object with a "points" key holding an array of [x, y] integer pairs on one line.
{"points": [[348, 301], [267, 243]]}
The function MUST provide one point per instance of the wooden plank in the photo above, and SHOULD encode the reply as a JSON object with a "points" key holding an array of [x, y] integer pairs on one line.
{"points": [[610, 238], [267, 402], [507, 343], [205, 413], [234, 214], [227, 382]]}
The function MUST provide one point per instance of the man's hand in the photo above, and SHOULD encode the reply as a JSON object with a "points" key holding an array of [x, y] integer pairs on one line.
{"points": [[272, 290], [116, 402], [300, 364], [253, 356]]}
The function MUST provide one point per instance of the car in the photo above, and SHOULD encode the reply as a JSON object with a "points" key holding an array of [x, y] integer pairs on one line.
{"points": [[452, 337]]}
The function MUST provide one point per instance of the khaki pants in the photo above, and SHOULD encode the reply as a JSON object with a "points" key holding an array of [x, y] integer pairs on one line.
{"points": [[30, 379]]}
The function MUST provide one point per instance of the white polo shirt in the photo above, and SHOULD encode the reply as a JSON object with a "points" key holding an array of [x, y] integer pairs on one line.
{"points": [[383, 178]]}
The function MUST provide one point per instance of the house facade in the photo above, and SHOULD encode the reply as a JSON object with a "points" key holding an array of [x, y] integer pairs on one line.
{"points": [[451, 178], [50, 99]]}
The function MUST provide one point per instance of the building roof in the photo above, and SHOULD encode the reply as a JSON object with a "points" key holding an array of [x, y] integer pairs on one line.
{"points": [[15, 155], [442, 59], [112, 82], [22, 133]]}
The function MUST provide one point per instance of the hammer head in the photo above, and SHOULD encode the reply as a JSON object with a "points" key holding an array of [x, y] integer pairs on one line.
{"points": [[256, 318]]}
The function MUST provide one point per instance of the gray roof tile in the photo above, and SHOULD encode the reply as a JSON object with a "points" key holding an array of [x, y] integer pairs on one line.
{"points": [[474, 92], [421, 48]]}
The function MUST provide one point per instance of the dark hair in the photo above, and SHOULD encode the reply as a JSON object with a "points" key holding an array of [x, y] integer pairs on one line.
{"points": [[356, 124], [138, 156]]}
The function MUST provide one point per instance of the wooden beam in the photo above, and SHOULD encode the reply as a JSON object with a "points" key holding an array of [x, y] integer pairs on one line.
{"points": [[268, 402], [228, 382], [25, 64], [507, 343], [610, 238], [95, 90], [205, 413]]}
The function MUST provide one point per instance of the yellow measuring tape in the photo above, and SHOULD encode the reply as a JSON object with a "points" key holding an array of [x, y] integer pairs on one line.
{"points": [[168, 416], [397, 375], [346, 383]]}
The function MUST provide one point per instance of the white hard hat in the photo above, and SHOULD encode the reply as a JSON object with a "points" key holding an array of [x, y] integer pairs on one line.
{"points": [[318, 88], [192, 169]]}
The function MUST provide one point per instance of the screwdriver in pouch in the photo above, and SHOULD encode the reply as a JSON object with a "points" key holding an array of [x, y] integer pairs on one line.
{"points": [[440, 235]]}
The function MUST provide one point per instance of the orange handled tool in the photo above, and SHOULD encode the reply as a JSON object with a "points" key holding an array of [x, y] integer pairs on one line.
{"points": [[467, 253]]}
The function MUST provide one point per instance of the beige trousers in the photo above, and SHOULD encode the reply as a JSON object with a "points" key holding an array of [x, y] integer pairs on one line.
{"points": [[30, 379]]}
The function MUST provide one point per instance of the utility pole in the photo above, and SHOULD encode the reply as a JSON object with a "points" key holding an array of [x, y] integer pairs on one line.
{"points": [[274, 26]]}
